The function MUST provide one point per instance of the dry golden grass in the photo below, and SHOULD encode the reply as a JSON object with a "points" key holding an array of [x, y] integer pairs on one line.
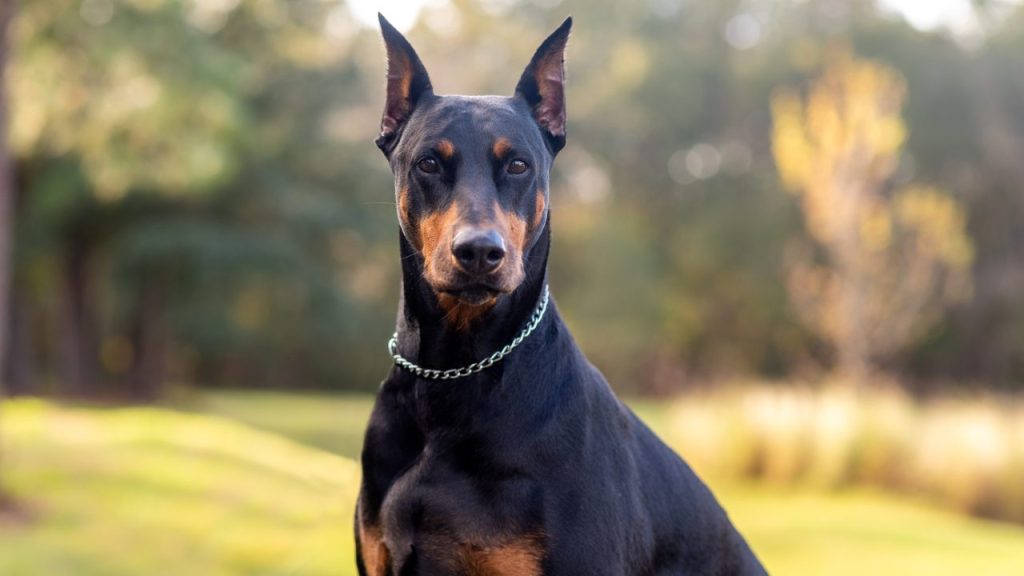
{"points": [[967, 454]]}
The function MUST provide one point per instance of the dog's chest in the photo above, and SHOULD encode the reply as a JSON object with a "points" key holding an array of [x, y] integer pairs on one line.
{"points": [[440, 516]]}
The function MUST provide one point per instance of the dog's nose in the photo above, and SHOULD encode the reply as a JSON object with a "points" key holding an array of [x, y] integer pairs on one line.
{"points": [[478, 251]]}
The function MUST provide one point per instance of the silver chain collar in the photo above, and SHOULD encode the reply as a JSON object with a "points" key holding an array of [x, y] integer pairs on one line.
{"points": [[475, 367]]}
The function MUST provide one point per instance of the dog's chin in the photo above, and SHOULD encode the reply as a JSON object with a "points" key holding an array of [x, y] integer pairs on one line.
{"points": [[474, 295]]}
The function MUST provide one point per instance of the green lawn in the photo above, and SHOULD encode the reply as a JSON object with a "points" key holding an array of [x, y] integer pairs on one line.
{"points": [[149, 491], [246, 483], [334, 423]]}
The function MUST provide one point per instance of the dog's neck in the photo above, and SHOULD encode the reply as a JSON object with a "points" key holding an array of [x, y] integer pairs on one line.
{"points": [[427, 338]]}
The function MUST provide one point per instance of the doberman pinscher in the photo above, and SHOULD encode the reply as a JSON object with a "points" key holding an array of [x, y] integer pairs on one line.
{"points": [[494, 447]]}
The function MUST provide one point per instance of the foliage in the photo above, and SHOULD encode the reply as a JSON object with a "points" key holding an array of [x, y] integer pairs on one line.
{"points": [[143, 101], [161, 187], [129, 491], [894, 258], [7, 506], [199, 199]]}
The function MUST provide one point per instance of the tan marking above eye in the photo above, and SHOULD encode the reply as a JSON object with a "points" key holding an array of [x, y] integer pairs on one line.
{"points": [[445, 148], [501, 147]]}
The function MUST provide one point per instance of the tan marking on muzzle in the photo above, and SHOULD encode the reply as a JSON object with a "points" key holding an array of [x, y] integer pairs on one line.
{"points": [[435, 229], [538, 209], [512, 227], [403, 208]]}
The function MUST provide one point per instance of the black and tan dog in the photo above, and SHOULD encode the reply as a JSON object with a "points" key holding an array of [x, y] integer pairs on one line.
{"points": [[526, 463]]}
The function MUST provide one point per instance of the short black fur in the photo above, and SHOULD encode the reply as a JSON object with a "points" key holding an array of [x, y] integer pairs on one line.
{"points": [[532, 466]]}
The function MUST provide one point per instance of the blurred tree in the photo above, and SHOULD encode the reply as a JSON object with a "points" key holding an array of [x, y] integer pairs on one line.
{"points": [[199, 200], [6, 221], [113, 100], [993, 327], [893, 259], [167, 223]]}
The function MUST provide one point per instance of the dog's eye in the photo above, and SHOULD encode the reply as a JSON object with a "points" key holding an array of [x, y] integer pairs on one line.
{"points": [[517, 167], [427, 165]]}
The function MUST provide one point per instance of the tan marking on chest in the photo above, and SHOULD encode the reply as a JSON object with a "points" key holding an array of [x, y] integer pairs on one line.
{"points": [[374, 552], [460, 315], [521, 556]]}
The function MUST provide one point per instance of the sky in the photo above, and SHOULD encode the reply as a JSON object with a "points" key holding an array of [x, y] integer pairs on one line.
{"points": [[401, 13], [930, 14], [923, 14]]}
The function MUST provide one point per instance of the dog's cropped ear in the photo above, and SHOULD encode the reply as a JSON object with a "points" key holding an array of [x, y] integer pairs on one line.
{"points": [[407, 83], [542, 85]]}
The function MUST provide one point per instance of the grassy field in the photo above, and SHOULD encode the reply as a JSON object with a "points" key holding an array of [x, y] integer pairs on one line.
{"points": [[263, 483], [149, 491]]}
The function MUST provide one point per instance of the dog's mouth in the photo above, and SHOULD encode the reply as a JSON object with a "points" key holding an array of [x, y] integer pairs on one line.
{"points": [[473, 294]]}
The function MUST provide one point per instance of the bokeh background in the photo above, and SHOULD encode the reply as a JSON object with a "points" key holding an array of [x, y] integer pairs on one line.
{"points": [[791, 233]]}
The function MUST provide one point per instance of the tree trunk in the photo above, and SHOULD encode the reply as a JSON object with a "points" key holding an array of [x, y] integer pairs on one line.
{"points": [[78, 328], [998, 278], [6, 216], [854, 354], [149, 343], [20, 364]]}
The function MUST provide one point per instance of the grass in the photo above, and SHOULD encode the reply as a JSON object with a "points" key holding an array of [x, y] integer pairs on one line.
{"points": [[150, 491], [331, 422], [265, 483], [963, 453]]}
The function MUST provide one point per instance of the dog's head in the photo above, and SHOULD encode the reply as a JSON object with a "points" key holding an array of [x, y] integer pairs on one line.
{"points": [[471, 172]]}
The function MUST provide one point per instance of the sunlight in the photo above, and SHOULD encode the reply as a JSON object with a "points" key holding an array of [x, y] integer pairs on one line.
{"points": [[957, 15], [401, 13]]}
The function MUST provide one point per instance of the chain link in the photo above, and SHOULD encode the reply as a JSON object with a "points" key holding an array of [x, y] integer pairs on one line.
{"points": [[452, 373]]}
